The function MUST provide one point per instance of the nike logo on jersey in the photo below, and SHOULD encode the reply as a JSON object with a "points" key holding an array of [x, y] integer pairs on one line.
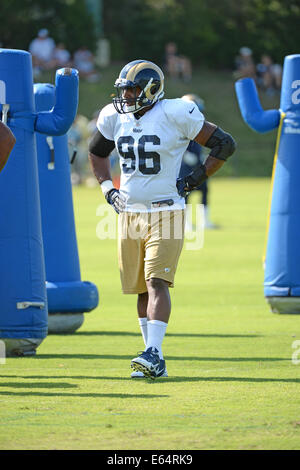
{"points": [[191, 111]]}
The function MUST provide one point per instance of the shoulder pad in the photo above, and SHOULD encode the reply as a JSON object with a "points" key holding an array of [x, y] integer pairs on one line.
{"points": [[108, 110], [107, 120], [174, 106]]}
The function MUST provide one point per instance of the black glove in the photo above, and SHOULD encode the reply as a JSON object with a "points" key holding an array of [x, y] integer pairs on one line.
{"points": [[114, 198], [186, 184]]}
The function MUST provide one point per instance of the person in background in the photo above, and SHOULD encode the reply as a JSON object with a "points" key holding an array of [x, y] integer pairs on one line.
{"points": [[62, 56], [191, 159], [42, 50], [268, 75], [113, 157], [92, 125], [78, 136], [277, 76], [244, 64], [85, 64], [7, 142], [264, 74], [177, 66]]}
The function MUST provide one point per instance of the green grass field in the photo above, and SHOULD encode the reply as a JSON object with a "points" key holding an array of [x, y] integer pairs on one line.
{"points": [[232, 383]]}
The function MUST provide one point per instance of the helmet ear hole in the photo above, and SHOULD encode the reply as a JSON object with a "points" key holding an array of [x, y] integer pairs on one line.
{"points": [[154, 89]]}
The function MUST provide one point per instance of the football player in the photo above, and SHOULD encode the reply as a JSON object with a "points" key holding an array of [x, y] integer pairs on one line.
{"points": [[151, 135], [7, 142]]}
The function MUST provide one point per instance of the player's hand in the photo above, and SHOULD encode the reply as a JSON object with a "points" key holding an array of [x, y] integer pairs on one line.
{"points": [[186, 184], [114, 198], [183, 187]]}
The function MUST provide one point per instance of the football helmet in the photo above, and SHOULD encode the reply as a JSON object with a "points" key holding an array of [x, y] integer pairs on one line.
{"points": [[196, 99], [145, 75]]}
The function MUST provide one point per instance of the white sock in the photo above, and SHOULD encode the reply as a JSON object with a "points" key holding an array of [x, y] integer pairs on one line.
{"points": [[156, 331], [143, 326]]}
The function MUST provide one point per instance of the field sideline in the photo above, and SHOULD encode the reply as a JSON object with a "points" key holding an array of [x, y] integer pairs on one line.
{"points": [[232, 383]]}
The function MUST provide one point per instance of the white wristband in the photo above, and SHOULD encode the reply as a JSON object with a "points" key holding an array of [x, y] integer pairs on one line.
{"points": [[106, 186]]}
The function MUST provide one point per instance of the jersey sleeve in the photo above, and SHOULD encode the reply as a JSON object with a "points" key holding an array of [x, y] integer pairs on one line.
{"points": [[185, 116], [106, 121]]}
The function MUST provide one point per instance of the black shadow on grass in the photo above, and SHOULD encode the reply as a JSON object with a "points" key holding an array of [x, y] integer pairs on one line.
{"points": [[168, 358], [84, 395], [232, 379], [38, 385], [179, 335], [159, 380], [228, 359]]}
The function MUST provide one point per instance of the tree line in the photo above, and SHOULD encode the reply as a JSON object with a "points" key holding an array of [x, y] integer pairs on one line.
{"points": [[208, 32]]}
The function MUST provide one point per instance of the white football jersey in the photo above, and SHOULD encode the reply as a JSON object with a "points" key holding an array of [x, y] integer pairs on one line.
{"points": [[151, 150]]}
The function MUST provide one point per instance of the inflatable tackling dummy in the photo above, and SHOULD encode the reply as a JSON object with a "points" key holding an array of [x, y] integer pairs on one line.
{"points": [[68, 297], [282, 254], [23, 297]]}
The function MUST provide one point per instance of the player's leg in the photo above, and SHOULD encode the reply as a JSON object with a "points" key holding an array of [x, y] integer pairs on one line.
{"points": [[142, 304], [151, 362], [207, 222], [189, 215], [130, 255], [158, 313], [131, 265], [159, 302], [204, 190], [162, 254], [162, 251]]}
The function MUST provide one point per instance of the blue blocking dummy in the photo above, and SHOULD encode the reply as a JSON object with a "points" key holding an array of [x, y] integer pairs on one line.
{"points": [[67, 294], [23, 296], [282, 257], [23, 300]]}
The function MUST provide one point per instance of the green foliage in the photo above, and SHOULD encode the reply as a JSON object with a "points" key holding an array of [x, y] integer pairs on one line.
{"points": [[207, 32], [210, 33], [68, 21]]}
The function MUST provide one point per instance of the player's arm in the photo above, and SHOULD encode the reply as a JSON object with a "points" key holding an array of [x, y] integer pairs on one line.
{"points": [[7, 142], [99, 150], [221, 145]]}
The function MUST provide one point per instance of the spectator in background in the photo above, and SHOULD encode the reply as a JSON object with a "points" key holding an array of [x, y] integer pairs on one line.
{"points": [[78, 136], [42, 49], [268, 75], [277, 76], [177, 66], [244, 64], [92, 125], [62, 56], [113, 157], [192, 157], [264, 73], [85, 64]]}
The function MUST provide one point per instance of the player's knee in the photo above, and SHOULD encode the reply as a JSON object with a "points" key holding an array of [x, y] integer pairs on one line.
{"points": [[157, 284]]}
